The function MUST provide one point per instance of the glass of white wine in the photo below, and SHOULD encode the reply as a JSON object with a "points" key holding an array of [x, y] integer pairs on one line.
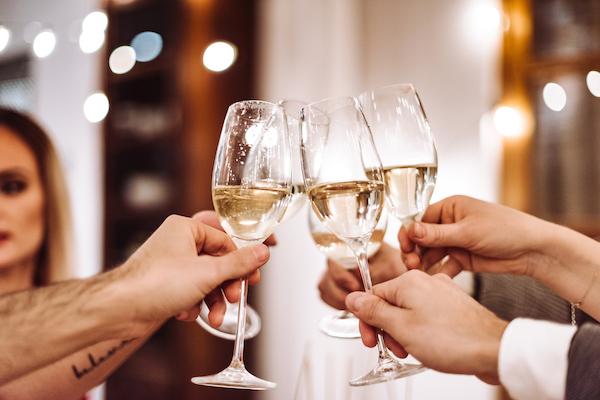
{"points": [[251, 189], [227, 329], [343, 325], [406, 147], [344, 181]]}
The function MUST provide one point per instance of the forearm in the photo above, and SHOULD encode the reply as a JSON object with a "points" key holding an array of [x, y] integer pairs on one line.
{"points": [[73, 376], [570, 266], [41, 326]]}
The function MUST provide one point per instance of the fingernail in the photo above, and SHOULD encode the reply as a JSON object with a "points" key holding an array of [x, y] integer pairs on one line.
{"points": [[355, 301], [261, 252], [419, 230]]}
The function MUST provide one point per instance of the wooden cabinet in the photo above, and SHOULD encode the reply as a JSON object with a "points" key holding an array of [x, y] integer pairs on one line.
{"points": [[555, 171], [160, 138]]}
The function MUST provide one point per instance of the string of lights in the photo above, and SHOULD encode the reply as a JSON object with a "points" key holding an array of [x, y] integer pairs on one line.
{"points": [[144, 47]]}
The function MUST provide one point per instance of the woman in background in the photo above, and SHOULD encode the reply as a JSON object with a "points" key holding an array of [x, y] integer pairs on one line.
{"points": [[34, 211], [35, 249]]}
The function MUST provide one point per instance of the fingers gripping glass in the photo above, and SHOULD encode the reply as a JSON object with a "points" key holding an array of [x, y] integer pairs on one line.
{"points": [[228, 327], [251, 189], [344, 181]]}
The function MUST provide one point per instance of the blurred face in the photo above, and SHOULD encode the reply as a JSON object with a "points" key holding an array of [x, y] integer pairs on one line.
{"points": [[21, 201]]}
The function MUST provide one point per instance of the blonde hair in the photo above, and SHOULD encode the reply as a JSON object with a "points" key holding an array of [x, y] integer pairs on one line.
{"points": [[54, 257]]}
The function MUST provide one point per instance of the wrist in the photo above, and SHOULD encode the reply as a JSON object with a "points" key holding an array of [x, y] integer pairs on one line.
{"points": [[567, 263], [547, 251], [490, 348], [114, 308]]}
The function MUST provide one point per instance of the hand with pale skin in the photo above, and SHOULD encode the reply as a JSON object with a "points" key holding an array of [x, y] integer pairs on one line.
{"points": [[337, 282], [231, 289], [216, 260], [462, 233], [175, 269], [434, 320]]}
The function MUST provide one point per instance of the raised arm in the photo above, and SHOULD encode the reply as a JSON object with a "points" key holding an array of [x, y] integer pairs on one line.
{"points": [[164, 278], [485, 237]]}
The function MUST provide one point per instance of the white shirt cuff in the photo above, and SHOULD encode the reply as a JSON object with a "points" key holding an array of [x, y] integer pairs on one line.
{"points": [[533, 359]]}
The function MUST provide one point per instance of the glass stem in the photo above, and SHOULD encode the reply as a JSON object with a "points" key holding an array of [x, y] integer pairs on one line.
{"points": [[238, 350], [363, 267]]}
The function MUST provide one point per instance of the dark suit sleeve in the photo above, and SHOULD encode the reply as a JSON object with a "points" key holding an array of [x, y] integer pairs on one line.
{"points": [[583, 375], [513, 297]]}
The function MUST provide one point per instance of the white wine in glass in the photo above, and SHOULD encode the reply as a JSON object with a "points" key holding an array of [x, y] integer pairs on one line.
{"points": [[343, 325], [406, 147], [251, 190], [345, 185], [409, 189]]}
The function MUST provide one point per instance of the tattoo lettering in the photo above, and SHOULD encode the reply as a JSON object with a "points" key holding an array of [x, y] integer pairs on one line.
{"points": [[94, 363]]}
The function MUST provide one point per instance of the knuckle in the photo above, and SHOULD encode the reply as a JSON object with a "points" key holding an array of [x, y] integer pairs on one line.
{"points": [[413, 275], [175, 219], [442, 277], [201, 215], [458, 198]]}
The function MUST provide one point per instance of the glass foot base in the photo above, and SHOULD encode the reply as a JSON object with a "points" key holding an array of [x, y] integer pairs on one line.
{"points": [[387, 370], [234, 378], [343, 326], [228, 328]]}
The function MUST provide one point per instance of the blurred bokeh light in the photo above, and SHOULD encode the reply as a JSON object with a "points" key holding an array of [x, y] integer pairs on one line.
{"points": [[219, 56]]}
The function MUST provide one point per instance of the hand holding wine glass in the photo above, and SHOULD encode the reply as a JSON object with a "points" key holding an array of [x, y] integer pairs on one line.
{"points": [[251, 189], [344, 181], [218, 312]]}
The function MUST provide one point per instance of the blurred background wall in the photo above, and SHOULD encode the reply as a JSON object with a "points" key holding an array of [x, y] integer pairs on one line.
{"points": [[313, 49]]}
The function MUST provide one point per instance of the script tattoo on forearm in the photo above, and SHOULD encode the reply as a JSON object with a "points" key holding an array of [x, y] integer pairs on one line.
{"points": [[96, 362]]}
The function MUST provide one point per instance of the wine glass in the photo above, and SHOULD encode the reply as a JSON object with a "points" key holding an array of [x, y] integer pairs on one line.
{"points": [[293, 114], [344, 324], [344, 181], [250, 189], [406, 148], [227, 329]]}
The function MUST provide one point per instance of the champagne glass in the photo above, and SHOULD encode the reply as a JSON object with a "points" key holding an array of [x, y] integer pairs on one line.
{"points": [[227, 330], [406, 148], [344, 324], [344, 181], [293, 114], [250, 189]]}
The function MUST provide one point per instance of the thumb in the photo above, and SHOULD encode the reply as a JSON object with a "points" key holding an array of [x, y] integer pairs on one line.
{"points": [[237, 264], [372, 310], [437, 235]]}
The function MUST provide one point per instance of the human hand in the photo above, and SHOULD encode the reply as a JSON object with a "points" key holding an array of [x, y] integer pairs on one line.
{"points": [[181, 263], [476, 236], [231, 289], [337, 281], [434, 320]]}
